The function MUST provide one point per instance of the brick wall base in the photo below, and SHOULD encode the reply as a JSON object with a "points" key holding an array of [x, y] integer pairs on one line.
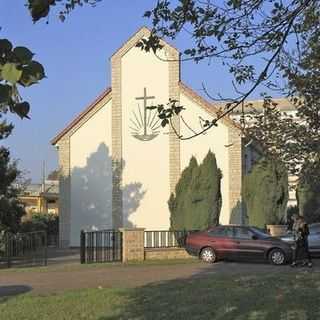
{"points": [[166, 254]]}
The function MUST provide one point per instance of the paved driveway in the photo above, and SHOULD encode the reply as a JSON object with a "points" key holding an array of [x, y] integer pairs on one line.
{"points": [[57, 278]]}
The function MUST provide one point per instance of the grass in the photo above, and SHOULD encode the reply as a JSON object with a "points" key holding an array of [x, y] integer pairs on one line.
{"points": [[78, 266], [282, 296]]}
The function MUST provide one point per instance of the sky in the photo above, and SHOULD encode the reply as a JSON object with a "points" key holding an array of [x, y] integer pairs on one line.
{"points": [[76, 56]]}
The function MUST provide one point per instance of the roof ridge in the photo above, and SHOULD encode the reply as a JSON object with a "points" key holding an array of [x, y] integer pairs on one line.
{"points": [[143, 29], [208, 106]]}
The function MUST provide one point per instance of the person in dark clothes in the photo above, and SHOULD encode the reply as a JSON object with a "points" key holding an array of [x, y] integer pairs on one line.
{"points": [[291, 221], [301, 252]]}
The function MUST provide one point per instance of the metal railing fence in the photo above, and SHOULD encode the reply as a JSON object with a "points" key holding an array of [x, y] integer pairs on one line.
{"points": [[23, 249], [166, 238], [100, 246]]}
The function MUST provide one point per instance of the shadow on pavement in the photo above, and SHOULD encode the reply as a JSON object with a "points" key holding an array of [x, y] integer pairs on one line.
{"points": [[10, 291]]}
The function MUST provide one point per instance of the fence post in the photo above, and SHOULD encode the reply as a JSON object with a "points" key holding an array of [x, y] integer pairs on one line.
{"points": [[82, 247], [132, 244], [8, 249], [45, 248]]}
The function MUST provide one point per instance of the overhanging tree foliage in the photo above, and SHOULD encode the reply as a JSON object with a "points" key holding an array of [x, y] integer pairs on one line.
{"points": [[17, 68], [265, 192], [235, 31], [283, 36], [197, 201]]}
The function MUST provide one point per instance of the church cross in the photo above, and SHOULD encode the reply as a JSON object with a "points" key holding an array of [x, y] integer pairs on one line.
{"points": [[145, 98]]}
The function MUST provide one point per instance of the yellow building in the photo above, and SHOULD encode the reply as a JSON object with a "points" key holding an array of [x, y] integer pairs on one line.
{"points": [[41, 198]]}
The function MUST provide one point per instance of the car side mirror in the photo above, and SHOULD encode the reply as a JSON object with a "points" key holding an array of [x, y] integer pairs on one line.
{"points": [[254, 237]]}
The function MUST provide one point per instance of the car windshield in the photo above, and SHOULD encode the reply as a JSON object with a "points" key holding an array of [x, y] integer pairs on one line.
{"points": [[260, 232]]}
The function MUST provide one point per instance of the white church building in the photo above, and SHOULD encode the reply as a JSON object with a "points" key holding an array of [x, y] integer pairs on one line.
{"points": [[118, 165]]}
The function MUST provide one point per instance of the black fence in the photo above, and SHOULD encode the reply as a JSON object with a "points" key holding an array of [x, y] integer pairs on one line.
{"points": [[53, 240], [23, 249], [100, 246], [166, 239]]}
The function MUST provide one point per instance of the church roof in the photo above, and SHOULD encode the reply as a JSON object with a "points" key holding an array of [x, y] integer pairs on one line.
{"points": [[75, 121], [283, 104], [206, 105]]}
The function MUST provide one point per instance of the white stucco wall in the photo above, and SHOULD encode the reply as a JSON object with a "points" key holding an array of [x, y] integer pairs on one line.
{"points": [[146, 170], [91, 174], [215, 139]]}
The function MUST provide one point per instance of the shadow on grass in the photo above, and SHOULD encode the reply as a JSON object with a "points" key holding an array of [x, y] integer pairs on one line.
{"points": [[11, 291], [285, 296]]}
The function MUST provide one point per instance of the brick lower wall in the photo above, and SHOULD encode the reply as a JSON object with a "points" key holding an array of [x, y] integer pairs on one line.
{"points": [[166, 253], [133, 248]]}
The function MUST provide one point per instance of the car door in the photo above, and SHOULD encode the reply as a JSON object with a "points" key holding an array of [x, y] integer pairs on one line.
{"points": [[314, 239], [221, 239], [248, 245]]}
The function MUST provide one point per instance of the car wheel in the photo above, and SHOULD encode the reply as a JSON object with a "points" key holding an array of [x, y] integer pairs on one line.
{"points": [[277, 257], [208, 255]]}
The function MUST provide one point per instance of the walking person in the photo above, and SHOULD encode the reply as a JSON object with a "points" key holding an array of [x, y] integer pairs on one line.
{"points": [[301, 252], [305, 244]]}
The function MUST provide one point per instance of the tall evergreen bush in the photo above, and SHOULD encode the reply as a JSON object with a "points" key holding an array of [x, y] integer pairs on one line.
{"points": [[179, 202], [197, 200], [265, 192], [308, 195]]}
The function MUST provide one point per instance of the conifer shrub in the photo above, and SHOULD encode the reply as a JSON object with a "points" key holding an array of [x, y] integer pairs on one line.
{"points": [[265, 192], [308, 195], [197, 201]]}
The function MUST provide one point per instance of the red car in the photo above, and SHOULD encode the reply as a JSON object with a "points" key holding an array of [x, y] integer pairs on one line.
{"points": [[235, 242]]}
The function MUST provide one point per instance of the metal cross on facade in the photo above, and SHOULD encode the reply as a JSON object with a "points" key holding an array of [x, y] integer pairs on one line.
{"points": [[145, 99], [145, 123]]}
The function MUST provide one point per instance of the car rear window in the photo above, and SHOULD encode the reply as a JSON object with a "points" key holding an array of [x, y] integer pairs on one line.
{"points": [[221, 232], [243, 233]]}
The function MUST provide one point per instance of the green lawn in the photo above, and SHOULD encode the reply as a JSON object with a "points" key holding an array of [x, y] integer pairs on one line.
{"points": [[293, 296], [69, 267]]}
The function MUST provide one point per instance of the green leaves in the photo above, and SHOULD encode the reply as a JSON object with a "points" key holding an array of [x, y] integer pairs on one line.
{"points": [[5, 93], [22, 109], [39, 8], [151, 43], [32, 73], [17, 67], [23, 54], [10, 72], [166, 113], [235, 3], [5, 46]]}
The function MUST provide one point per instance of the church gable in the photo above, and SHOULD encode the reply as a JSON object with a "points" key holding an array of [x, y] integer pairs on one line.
{"points": [[141, 79], [132, 42], [142, 161]]}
